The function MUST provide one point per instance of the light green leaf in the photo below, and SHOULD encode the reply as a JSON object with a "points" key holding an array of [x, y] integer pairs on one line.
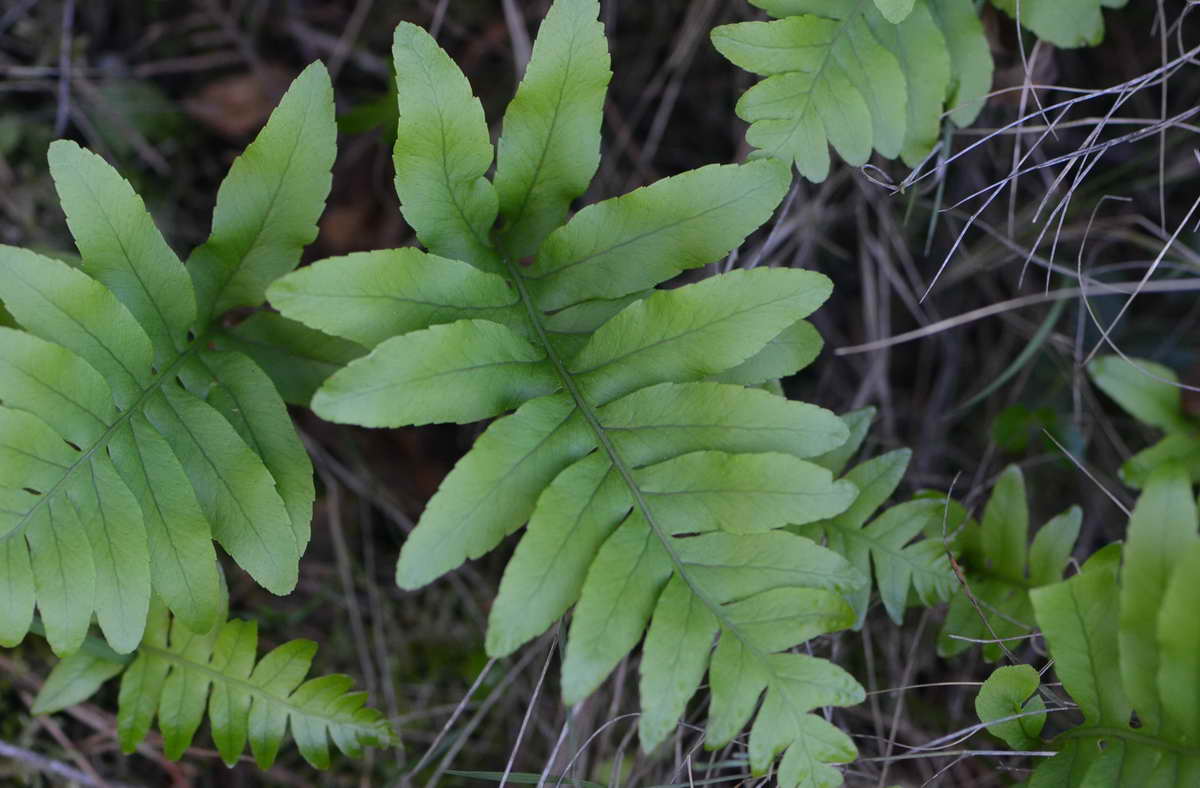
{"points": [[876, 480], [1180, 448], [816, 745], [73, 680], [615, 604], [729, 566], [740, 493], [31, 372], [1051, 549], [112, 519], [857, 76], [674, 658], [60, 304], [183, 563], [492, 490], [1162, 530], [16, 588], [1077, 621], [695, 331], [921, 50], [269, 203], [1146, 390], [459, 372], [1008, 692], [234, 488], [550, 146], [796, 114], [442, 151], [369, 297], [1178, 679], [245, 396], [233, 655], [122, 248], [142, 682], [923, 565], [629, 243], [1006, 526]]}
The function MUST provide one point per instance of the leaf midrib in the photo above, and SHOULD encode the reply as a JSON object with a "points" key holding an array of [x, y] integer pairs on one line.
{"points": [[622, 467], [246, 686], [152, 388]]}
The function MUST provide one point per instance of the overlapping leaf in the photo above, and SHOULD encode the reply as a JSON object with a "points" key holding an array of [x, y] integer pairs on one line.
{"points": [[857, 76], [902, 567], [181, 676], [655, 484], [1002, 569], [1141, 662], [126, 444]]}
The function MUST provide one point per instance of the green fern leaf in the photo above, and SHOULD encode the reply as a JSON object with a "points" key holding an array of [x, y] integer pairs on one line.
{"points": [[1150, 393], [126, 444], [1002, 568], [655, 485], [899, 563], [178, 675], [1010, 692], [550, 147], [856, 76], [1141, 662]]}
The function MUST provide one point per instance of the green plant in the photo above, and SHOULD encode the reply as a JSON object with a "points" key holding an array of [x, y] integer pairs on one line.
{"points": [[842, 74], [251, 699], [1124, 638], [862, 76], [127, 444], [1001, 569], [655, 479], [1150, 393], [903, 568]]}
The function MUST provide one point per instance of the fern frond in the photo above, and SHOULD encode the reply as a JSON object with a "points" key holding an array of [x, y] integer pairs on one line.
{"points": [[1150, 393], [1141, 662], [655, 486], [1002, 568], [901, 565], [126, 444], [857, 76], [179, 675]]}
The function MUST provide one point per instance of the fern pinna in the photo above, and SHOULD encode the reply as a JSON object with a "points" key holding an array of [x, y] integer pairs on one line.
{"points": [[1124, 638], [177, 674], [126, 443], [862, 75], [655, 491]]}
